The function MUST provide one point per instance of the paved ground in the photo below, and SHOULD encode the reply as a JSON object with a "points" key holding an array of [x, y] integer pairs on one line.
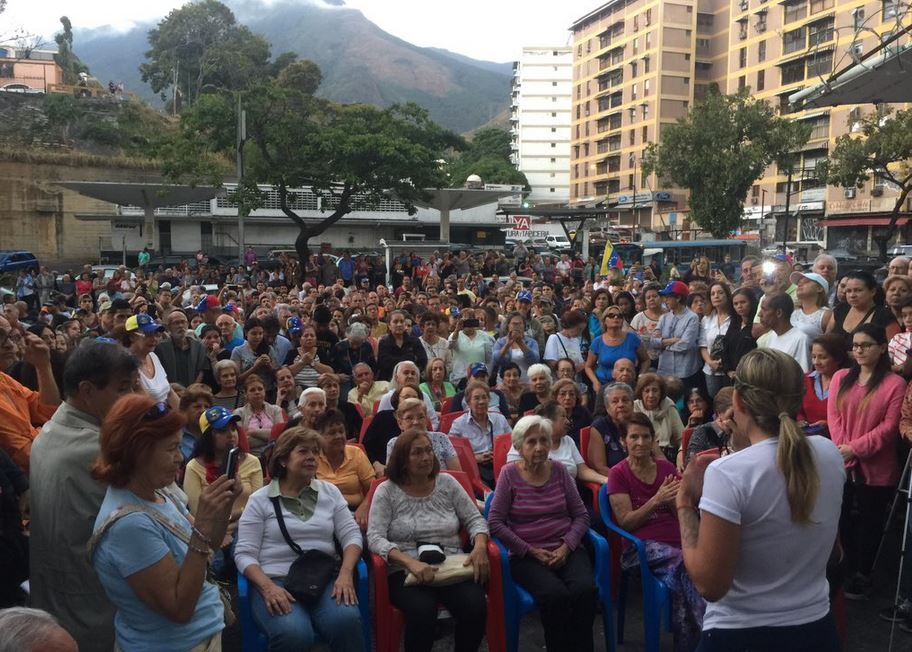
{"points": [[866, 632]]}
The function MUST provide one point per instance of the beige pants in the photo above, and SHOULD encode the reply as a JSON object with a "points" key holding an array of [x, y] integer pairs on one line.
{"points": [[212, 644]]}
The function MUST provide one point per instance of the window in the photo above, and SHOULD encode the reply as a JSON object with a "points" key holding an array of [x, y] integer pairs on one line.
{"points": [[552, 189], [554, 83], [859, 18], [553, 145], [761, 51], [633, 68], [645, 110], [820, 65], [645, 134], [742, 58], [820, 5], [703, 43], [792, 72], [793, 41], [636, 23], [633, 92], [820, 32], [646, 64], [632, 137], [647, 86], [636, 45], [795, 10], [554, 129], [649, 16], [820, 128], [761, 80], [630, 181], [742, 82], [704, 22], [649, 39]]}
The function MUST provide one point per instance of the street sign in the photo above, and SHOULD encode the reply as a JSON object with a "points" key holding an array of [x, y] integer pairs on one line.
{"points": [[521, 222]]}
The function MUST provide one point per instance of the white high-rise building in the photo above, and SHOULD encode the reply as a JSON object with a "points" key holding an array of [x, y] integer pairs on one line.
{"points": [[540, 121]]}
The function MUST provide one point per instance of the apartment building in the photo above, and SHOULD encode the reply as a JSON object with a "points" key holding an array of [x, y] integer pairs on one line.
{"points": [[639, 64], [540, 122]]}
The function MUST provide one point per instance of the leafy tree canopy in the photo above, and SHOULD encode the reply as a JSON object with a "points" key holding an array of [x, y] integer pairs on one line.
{"points": [[488, 156], [65, 57], [883, 147], [719, 150]]}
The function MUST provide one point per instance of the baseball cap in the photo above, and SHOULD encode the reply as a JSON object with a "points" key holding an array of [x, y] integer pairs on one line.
{"points": [[104, 305], [165, 286], [294, 325], [217, 417], [143, 323], [524, 295], [675, 287], [208, 302], [477, 368], [811, 276]]}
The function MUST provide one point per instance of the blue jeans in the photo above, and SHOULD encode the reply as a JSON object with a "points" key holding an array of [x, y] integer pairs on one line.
{"points": [[337, 625]]}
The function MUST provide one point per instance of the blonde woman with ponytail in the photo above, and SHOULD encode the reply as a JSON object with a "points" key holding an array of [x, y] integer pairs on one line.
{"points": [[758, 526]]}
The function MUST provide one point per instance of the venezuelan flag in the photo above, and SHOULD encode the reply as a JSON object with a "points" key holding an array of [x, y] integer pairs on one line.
{"points": [[610, 260]]}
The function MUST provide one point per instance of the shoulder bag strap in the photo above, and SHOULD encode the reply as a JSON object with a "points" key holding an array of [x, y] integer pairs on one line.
{"points": [[276, 504], [133, 508]]}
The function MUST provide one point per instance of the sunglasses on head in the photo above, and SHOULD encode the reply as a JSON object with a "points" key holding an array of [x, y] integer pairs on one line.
{"points": [[157, 411]]}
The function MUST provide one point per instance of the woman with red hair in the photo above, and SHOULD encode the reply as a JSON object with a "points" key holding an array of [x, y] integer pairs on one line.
{"points": [[150, 554]]}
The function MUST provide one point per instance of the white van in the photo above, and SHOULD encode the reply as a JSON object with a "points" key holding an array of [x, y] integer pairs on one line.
{"points": [[557, 241]]}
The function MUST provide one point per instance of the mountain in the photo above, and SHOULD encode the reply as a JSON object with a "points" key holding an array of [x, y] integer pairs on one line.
{"points": [[360, 62]]}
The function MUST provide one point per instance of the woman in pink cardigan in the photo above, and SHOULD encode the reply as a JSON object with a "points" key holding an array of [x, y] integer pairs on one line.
{"points": [[863, 412]]}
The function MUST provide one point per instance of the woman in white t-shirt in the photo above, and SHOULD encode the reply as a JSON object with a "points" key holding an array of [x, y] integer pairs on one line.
{"points": [[563, 449], [757, 550], [141, 335]]}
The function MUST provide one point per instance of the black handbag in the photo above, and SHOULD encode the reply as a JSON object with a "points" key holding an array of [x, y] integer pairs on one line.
{"points": [[311, 572]]}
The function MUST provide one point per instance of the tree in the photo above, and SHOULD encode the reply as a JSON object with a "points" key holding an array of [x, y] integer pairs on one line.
{"points": [[488, 156], [202, 46], [883, 148], [352, 156], [66, 58], [719, 150]]}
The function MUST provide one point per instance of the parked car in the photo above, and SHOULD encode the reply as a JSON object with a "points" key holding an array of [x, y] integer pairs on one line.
{"points": [[13, 261], [900, 250], [559, 242], [23, 89]]}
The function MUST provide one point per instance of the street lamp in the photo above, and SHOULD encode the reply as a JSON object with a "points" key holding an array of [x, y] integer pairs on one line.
{"points": [[632, 160], [762, 213]]}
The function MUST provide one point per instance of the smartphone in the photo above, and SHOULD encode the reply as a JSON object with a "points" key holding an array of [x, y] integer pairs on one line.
{"points": [[471, 323], [813, 430], [234, 458]]}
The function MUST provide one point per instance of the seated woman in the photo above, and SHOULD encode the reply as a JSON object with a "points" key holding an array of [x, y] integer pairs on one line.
{"points": [[311, 405], [385, 426], [420, 505], [696, 405], [651, 400], [287, 393], [316, 516], [257, 416], [538, 514], [642, 490], [195, 400], [512, 389], [412, 415], [331, 385], [539, 388], [567, 394], [437, 387], [566, 368], [607, 433], [229, 396], [347, 467], [480, 425], [150, 556], [563, 448], [715, 435]]}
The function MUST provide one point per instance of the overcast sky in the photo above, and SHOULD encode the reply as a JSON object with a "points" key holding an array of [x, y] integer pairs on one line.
{"points": [[494, 30]]}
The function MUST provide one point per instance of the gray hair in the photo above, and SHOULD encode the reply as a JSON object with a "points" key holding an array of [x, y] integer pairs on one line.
{"points": [[23, 629], [221, 365], [98, 363], [525, 425], [362, 364], [827, 258], [357, 329], [617, 387], [394, 384], [539, 368], [311, 391]]}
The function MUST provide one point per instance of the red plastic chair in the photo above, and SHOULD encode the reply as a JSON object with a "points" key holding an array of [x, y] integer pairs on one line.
{"points": [[388, 621], [277, 430], [446, 404], [470, 465], [584, 451], [685, 438], [365, 424], [502, 446], [446, 421], [358, 409], [376, 407]]}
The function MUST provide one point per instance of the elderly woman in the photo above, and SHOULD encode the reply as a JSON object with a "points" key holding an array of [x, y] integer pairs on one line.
{"points": [[642, 490], [516, 347], [897, 289], [480, 426], [568, 395], [437, 387], [385, 426], [310, 406], [150, 555], [419, 505], [539, 388], [607, 433], [331, 384], [412, 415], [229, 396], [652, 400], [257, 416], [287, 393], [538, 514], [315, 516], [345, 466]]}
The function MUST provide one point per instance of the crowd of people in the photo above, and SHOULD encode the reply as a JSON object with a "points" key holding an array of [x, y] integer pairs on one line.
{"points": [[186, 435]]}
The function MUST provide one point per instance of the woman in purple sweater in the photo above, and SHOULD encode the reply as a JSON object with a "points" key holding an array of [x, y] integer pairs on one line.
{"points": [[538, 515]]}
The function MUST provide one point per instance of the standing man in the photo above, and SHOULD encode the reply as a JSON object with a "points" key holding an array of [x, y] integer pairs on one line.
{"points": [[250, 258], [347, 269], [182, 357], [65, 499], [776, 315], [143, 258]]}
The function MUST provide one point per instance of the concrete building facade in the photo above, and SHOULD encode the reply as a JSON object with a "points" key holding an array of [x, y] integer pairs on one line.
{"points": [[540, 122]]}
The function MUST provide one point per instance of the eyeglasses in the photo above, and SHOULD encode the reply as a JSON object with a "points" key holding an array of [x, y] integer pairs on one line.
{"points": [[614, 315], [863, 346], [157, 411]]}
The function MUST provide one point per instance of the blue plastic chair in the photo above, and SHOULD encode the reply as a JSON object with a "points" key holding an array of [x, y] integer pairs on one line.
{"points": [[254, 640], [518, 602], [656, 594]]}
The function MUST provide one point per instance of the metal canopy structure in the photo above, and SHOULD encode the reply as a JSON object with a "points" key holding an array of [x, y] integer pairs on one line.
{"points": [[562, 216], [451, 199], [147, 196]]}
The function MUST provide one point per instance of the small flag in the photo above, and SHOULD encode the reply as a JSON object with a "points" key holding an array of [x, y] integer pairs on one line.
{"points": [[610, 260]]}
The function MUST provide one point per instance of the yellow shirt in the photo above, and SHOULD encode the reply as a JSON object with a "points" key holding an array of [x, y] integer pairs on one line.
{"points": [[377, 390], [249, 472], [352, 478]]}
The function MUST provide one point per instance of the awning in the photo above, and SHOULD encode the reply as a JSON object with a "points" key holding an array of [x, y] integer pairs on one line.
{"points": [[843, 221]]}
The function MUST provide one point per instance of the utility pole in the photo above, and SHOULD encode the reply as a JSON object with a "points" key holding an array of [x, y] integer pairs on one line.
{"points": [[239, 195], [636, 218], [788, 197]]}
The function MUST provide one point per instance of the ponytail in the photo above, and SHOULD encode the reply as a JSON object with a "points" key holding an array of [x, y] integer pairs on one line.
{"points": [[795, 460]]}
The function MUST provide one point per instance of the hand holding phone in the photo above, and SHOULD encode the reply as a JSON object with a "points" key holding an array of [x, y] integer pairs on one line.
{"points": [[232, 463]]}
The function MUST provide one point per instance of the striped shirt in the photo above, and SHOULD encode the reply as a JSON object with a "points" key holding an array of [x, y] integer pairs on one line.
{"points": [[524, 516]]}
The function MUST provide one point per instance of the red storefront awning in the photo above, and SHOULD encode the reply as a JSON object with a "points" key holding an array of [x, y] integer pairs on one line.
{"points": [[861, 221]]}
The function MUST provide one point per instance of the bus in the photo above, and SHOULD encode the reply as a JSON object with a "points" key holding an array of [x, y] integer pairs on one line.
{"points": [[680, 252]]}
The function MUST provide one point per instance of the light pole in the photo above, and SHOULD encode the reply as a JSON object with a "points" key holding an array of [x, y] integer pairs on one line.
{"points": [[242, 207], [632, 160], [762, 213]]}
